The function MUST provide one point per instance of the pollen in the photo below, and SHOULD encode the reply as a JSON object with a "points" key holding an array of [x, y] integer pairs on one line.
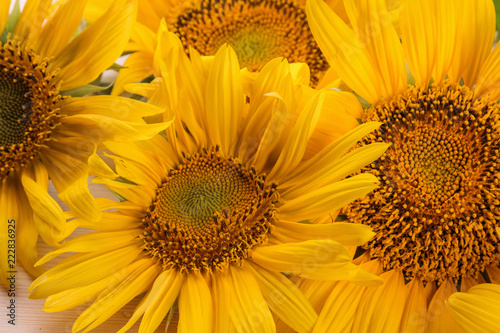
{"points": [[258, 31], [438, 204], [28, 106], [208, 213]]}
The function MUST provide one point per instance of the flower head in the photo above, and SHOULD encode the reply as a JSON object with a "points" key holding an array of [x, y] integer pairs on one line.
{"points": [[435, 213], [44, 133], [257, 30], [221, 203]]}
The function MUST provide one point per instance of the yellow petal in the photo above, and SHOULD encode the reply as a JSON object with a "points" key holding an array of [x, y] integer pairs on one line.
{"points": [[139, 311], [139, 65], [415, 311], [329, 80], [381, 308], [78, 197], [488, 290], [164, 292], [296, 143], [95, 9], [328, 199], [301, 73], [267, 80], [372, 21], [99, 168], [152, 165], [339, 310], [149, 12], [60, 28], [478, 310], [221, 291], [48, 216], [74, 272], [94, 241], [143, 37], [31, 19], [348, 234], [249, 311], [274, 78], [195, 301], [321, 162], [272, 137], [341, 306], [114, 298], [66, 163], [268, 128], [438, 318], [97, 47], [313, 259], [488, 80], [4, 13], [467, 282], [136, 172], [27, 238], [113, 129], [428, 30], [224, 96], [136, 194], [18, 227], [113, 221], [9, 215], [284, 299], [168, 47], [330, 171], [493, 273], [340, 114], [344, 50], [71, 298], [121, 108], [475, 33], [316, 291]]}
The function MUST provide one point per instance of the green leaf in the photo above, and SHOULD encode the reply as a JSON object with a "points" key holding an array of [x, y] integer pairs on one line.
{"points": [[116, 67], [124, 180], [122, 199], [364, 103], [84, 90], [497, 11], [11, 21], [83, 25]]}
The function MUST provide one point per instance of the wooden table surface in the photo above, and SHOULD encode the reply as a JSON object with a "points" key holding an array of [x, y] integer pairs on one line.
{"points": [[29, 314]]}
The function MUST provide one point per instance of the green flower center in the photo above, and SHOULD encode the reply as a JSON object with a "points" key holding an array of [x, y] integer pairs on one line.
{"points": [[258, 30], [208, 213], [439, 159]]}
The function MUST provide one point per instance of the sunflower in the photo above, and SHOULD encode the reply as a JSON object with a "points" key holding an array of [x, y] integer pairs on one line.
{"points": [[44, 133], [258, 31], [436, 210], [218, 205]]}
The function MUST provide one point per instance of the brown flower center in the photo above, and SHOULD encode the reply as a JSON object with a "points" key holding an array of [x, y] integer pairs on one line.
{"points": [[258, 30], [28, 106], [437, 206], [208, 213]]}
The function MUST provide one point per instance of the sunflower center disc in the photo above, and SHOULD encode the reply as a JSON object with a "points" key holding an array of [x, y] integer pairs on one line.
{"points": [[28, 106], [258, 30], [437, 206], [208, 213], [12, 101]]}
